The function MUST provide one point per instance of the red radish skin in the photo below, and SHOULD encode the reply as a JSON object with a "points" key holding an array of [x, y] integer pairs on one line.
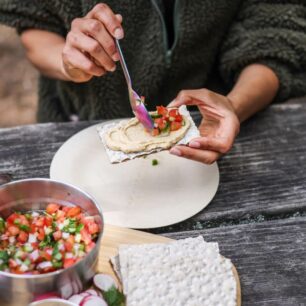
{"points": [[93, 301], [104, 282]]}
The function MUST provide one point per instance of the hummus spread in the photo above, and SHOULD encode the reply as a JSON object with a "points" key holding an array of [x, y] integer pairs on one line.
{"points": [[131, 137]]}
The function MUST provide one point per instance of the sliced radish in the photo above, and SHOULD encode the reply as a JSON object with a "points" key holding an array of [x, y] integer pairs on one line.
{"points": [[92, 292], [85, 294], [104, 282], [93, 301], [77, 299]]}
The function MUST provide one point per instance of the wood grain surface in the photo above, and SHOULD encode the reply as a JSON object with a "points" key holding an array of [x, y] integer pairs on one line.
{"points": [[258, 215]]}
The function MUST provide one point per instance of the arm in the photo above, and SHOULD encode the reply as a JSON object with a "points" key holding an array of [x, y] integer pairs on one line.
{"points": [[88, 50], [44, 51], [255, 88]]}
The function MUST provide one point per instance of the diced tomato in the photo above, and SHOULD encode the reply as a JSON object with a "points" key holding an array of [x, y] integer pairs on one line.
{"points": [[57, 235], [175, 126], [85, 236], [179, 118], [33, 228], [74, 211], [161, 123], [12, 218], [23, 237], [155, 132], [48, 221], [52, 208], [60, 214], [13, 230], [68, 262], [41, 234], [89, 247], [93, 228], [46, 255], [65, 209], [161, 110], [68, 246], [40, 222], [12, 263], [173, 112]]}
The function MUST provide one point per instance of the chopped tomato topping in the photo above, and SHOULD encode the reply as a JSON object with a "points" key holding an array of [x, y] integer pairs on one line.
{"points": [[93, 228], [161, 110], [13, 230], [68, 262], [57, 235], [23, 237], [173, 112], [52, 208], [74, 211], [155, 132], [175, 126], [41, 242]]}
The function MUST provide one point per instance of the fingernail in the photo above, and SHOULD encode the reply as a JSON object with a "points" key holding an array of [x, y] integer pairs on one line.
{"points": [[176, 152], [194, 144], [115, 57], [118, 33], [112, 69]]}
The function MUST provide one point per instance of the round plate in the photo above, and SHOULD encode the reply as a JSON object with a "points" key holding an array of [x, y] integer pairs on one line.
{"points": [[135, 193]]}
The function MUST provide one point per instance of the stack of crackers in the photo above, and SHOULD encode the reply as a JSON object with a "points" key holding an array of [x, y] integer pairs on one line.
{"points": [[188, 272]]}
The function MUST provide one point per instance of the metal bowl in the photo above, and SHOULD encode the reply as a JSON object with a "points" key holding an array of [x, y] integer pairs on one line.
{"points": [[35, 194]]}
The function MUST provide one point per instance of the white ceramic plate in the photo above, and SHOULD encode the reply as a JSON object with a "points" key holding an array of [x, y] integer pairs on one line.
{"points": [[135, 194]]}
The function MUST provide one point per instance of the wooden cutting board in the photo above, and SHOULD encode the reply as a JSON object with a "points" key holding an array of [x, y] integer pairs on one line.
{"points": [[113, 236]]}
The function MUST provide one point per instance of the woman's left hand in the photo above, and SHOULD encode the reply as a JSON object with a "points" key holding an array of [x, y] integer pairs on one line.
{"points": [[219, 127]]}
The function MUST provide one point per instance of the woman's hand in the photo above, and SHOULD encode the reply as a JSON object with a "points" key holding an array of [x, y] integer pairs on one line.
{"points": [[90, 48], [219, 127]]}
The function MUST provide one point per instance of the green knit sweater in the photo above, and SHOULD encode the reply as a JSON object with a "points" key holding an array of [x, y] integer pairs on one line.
{"points": [[213, 41]]}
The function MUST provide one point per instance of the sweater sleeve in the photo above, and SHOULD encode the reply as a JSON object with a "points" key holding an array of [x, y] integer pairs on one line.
{"points": [[36, 14], [272, 33]]}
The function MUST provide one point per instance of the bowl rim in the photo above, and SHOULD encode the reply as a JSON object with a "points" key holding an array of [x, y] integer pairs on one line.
{"points": [[57, 272], [65, 302]]}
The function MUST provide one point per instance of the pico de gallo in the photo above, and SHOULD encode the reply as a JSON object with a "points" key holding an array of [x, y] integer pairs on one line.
{"points": [[166, 120], [44, 241]]}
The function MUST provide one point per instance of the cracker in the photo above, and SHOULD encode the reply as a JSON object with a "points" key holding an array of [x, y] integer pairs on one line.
{"points": [[118, 156], [188, 272]]}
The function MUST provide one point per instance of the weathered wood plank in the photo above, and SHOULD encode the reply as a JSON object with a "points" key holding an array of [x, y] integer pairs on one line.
{"points": [[269, 256], [263, 175]]}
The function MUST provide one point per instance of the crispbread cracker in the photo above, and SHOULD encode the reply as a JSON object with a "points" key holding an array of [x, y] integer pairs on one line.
{"points": [[118, 156], [188, 272]]}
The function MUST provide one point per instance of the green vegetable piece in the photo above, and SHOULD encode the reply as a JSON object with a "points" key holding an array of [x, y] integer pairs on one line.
{"points": [[154, 162], [24, 228], [2, 225], [58, 256], [4, 256], [17, 222], [155, 116], [28, 216], [57, 264], [79, 227], [114, 297]]}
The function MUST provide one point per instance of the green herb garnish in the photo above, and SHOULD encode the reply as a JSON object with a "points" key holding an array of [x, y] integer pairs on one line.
{"points": [[114, 297], [154, 162], [2, 225], [24, 228]]}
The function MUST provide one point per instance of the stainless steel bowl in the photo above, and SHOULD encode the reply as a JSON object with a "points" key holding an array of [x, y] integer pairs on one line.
{"points": [[35, 194]]}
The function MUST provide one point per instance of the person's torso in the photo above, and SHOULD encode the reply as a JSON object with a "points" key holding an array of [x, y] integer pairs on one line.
{"points": [[159, 70]]}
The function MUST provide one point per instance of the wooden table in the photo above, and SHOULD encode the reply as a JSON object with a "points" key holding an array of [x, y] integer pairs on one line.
{"points": [[258, 215]]}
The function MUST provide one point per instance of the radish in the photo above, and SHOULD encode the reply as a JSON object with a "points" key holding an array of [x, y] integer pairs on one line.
{"points": [[92, 292], [93, 301], [104, 282], [77, 299]]}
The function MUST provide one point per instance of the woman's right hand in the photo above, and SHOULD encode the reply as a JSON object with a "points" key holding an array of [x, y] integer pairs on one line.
{"points": [[90, 47]]}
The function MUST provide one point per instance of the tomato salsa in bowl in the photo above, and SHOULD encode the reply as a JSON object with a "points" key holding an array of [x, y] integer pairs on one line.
{"points": [[50, 235]]}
